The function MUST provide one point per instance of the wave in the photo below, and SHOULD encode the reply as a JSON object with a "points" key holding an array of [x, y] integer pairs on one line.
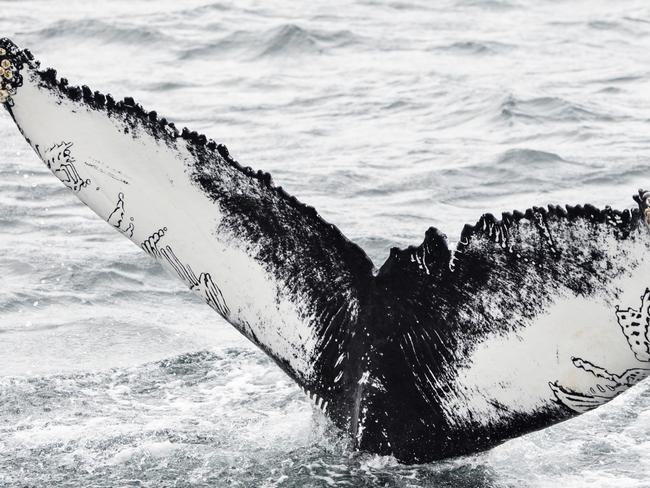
{"points": [[515, 157], [512, 172], [289, 39], [166, 85], [99, 30], [204, 10], [282, 41], [623, 79], [475, 47], [549, 109], [496, 5]]}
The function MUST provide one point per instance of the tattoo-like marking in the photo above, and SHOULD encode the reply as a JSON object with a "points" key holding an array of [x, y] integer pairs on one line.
{"points": [[634, 324], [117, 217], [202, 284], [608, 386], [59, 160]]}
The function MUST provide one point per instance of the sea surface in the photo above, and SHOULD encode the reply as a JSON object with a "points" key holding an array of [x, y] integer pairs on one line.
{"points": [[388, 117]]}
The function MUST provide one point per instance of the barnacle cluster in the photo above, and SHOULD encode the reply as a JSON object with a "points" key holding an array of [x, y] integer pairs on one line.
{"points": [[10, 77]]}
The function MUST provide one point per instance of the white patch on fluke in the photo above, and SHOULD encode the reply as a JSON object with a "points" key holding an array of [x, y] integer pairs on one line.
{"points": [[520, 371], [154, 191]]}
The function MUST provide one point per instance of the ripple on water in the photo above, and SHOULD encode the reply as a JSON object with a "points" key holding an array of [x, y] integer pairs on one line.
{"points": [[548, 109], [115, 32], [281, 41]]}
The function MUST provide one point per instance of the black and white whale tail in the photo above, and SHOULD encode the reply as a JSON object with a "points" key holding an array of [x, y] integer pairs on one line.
{"points": [[531, 319]]}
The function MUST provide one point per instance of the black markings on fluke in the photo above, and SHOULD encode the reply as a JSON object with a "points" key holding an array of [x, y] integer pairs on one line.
{"points": [[396, 344]]}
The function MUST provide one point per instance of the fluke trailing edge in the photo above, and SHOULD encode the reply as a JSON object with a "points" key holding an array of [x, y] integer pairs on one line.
{"points": [[528, 321]]}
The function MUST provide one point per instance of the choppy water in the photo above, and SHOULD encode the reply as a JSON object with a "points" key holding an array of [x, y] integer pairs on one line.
{"points": [[388, 117]]}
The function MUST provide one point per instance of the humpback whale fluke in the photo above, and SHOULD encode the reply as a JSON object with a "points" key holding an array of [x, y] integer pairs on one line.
{"points": [[532, 318]]}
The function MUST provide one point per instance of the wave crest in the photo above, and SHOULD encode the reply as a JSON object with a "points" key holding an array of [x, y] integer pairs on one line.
{"points": [[282, 41]]}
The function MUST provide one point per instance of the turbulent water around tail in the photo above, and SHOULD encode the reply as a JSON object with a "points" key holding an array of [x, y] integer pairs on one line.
{"points": [[388, 117]]}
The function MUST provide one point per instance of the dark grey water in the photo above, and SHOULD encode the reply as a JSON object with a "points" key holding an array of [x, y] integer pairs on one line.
{"points": [[388, 117]]}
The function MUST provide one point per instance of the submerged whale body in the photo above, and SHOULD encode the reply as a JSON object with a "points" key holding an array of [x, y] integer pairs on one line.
{"points": [[529, 320]]}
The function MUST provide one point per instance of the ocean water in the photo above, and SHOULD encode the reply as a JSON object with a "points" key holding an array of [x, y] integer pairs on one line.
{"points": [[388, 117]]}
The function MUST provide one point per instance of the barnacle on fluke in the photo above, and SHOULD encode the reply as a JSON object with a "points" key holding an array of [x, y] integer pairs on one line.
{"points": [[11, 61]]}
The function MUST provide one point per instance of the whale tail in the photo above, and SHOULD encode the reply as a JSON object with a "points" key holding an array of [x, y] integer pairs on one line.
{"points": [[531, 319]]}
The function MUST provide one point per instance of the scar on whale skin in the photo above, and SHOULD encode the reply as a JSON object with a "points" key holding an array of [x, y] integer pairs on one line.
{"points": [[634, 324], [59, 160], [116, 217], [108, 173], [202, 284]]}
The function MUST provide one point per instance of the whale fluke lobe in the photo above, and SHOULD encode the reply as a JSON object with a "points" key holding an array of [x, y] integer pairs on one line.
{"points": [[532, 317], [484, 328]]}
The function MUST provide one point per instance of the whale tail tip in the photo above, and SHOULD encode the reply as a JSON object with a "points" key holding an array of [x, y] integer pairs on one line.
{"points": [[12, 59]]}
